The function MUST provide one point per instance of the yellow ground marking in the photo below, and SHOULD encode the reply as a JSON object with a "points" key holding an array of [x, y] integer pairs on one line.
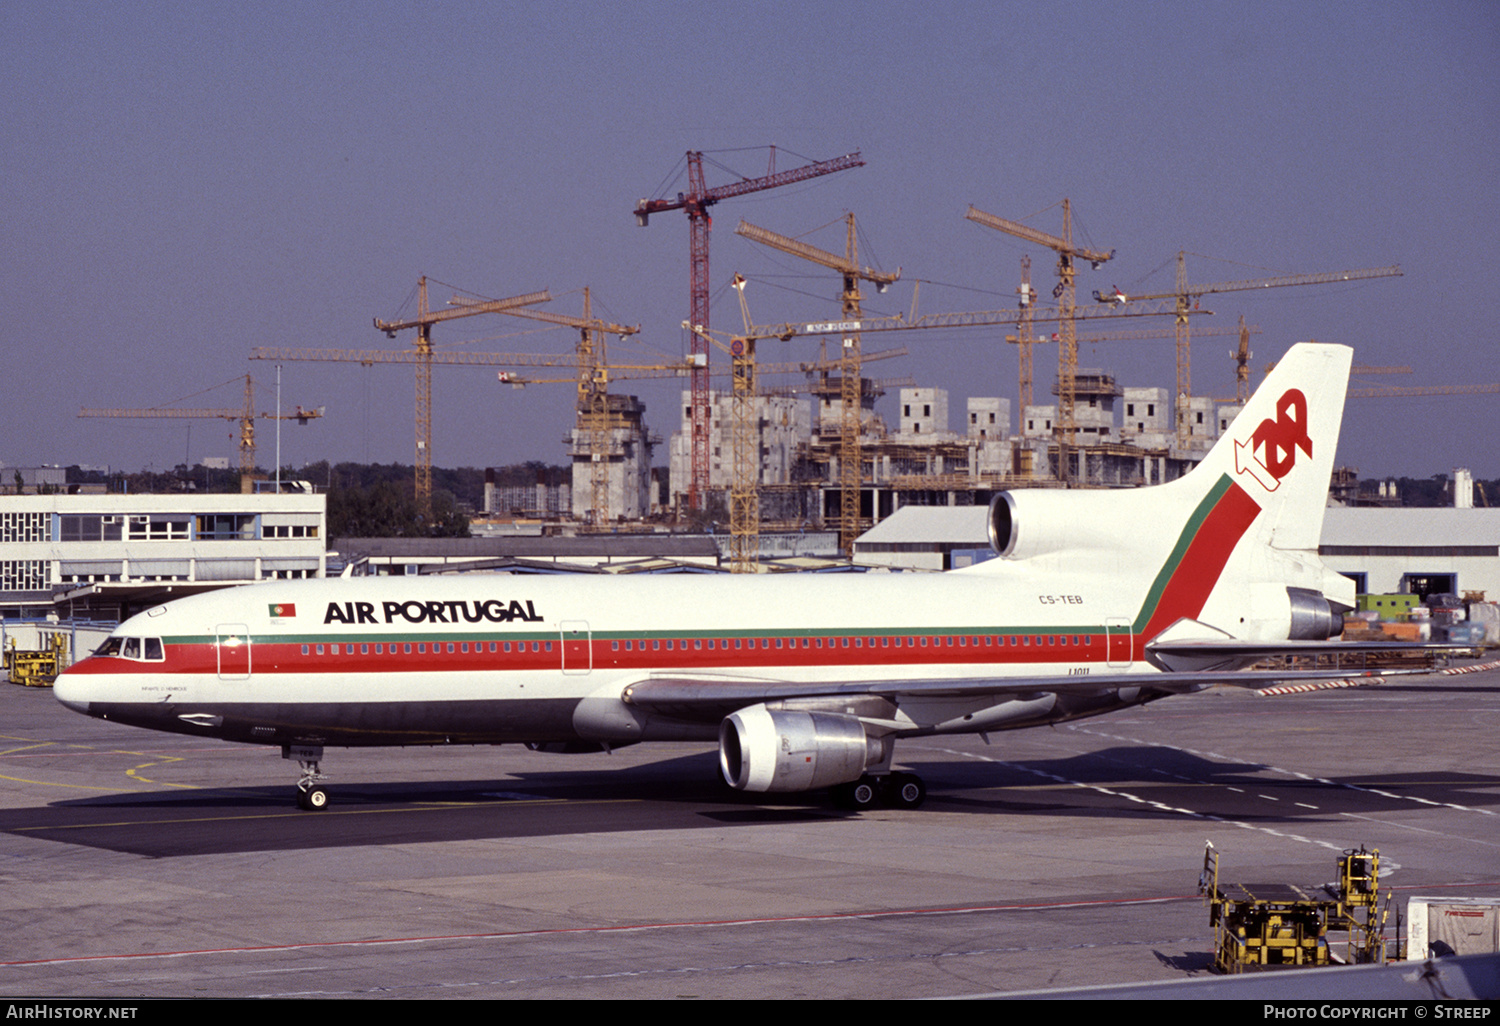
{"points": [[133, 773]]}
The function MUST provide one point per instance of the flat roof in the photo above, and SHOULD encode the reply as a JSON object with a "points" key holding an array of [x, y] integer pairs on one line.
{"points": [[612, 546]]}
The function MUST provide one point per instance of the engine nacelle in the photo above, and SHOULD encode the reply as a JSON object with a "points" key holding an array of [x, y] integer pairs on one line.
{"points": [[1039, 521], [1313, 617], [761, 749]]}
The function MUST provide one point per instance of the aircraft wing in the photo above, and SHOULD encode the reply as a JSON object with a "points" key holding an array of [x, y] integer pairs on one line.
{"points": [[708, 698]]}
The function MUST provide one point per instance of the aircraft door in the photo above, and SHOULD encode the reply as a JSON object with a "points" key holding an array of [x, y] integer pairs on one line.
{"points": [[577, 647], [1117, 642], [232, 645]]}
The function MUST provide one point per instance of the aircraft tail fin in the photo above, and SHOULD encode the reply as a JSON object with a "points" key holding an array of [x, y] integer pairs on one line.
{"points": [[1279, 450]]}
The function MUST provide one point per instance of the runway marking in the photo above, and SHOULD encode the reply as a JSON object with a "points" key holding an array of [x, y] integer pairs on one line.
{"points": [[1294, 773], [81, 787], [800, 963], [131, 773], [1115, 793], [26, 748], [956, 910], [162, 761]]}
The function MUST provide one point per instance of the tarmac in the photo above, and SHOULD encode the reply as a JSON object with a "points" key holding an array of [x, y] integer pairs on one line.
{"points": [[136, 864]]}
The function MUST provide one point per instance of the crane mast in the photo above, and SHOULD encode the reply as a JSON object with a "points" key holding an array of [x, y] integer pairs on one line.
{"points": [[850, 459], [423, 322], [1066, 293], [695, 202]]}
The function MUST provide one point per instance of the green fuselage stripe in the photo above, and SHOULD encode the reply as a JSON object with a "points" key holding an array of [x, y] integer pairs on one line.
{"points": [[1174, 559]]}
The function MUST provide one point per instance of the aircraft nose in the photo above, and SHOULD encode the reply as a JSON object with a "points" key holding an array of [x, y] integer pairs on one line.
{"points": [[72, 691]]}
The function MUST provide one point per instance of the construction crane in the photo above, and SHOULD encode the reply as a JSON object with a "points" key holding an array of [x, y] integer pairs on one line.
{"points": [[744, 489], [850, 462], [246, 416], [696, 201], [1403, 391], [423, 322], [1067, 354], [1414, 391], [1241, 357], [592, 382], [1243, 330], [1023, 337], [423, 357], [958, 319], [1185, 294]]}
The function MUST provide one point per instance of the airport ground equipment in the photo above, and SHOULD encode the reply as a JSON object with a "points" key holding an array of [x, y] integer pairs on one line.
{"points": [[1266, 926], [36, 668]]}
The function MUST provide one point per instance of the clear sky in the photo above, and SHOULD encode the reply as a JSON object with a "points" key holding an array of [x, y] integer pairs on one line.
{"points": [[186, 181]]}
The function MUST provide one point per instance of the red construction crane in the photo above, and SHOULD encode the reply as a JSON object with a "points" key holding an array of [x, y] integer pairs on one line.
{"points": [[696, 201]]}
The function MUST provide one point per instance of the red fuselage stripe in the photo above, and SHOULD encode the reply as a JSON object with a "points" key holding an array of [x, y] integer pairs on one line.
{"points": [[1198, 572]]}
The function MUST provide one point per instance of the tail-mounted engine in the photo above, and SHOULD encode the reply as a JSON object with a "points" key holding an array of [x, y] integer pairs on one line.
{"points": [[1039, 521], [761, 749], [1314, 618]]}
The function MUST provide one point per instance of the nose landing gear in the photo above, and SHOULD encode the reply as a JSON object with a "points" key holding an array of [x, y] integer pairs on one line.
{"points": [[312, 796]]}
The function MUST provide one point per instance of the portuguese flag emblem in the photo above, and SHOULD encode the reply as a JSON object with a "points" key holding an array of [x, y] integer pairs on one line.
{"points": [[283, 609]]}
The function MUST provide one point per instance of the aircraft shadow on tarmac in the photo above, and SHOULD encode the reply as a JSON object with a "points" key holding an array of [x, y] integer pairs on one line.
{"points": [[684, 792]]}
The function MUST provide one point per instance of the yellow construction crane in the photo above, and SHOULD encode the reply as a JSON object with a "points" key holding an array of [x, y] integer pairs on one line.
{"points": [[1067, 353], [246, 416], [850, 463], [744, 490], [423, 357], [1142, 334], [592, 382], [1242, 357], [423, 322], [1184, 295], [1414, 391]]}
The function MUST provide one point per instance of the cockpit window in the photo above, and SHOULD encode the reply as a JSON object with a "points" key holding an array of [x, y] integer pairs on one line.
{"points": [[146, 649]]}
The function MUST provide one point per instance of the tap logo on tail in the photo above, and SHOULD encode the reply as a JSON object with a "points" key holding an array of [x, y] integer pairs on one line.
{"points": [[1276, 441]]}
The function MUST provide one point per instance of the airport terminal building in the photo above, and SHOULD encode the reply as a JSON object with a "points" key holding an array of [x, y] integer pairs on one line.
{"points": [[108, 555]]}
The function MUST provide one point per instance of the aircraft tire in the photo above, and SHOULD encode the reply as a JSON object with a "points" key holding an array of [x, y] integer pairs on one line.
{"points": [[858, 795], [907, 791], [314, 799]]}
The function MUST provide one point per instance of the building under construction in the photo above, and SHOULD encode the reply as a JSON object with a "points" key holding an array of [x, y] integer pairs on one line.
{"points": [[922, 460]]}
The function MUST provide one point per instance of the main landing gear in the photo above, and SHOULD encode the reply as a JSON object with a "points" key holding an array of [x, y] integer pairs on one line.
{"points": [[312, 796], [896, 790]]}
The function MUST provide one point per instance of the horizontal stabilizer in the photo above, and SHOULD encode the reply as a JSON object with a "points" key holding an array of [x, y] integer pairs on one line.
{"points": [[1215, 655]]}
